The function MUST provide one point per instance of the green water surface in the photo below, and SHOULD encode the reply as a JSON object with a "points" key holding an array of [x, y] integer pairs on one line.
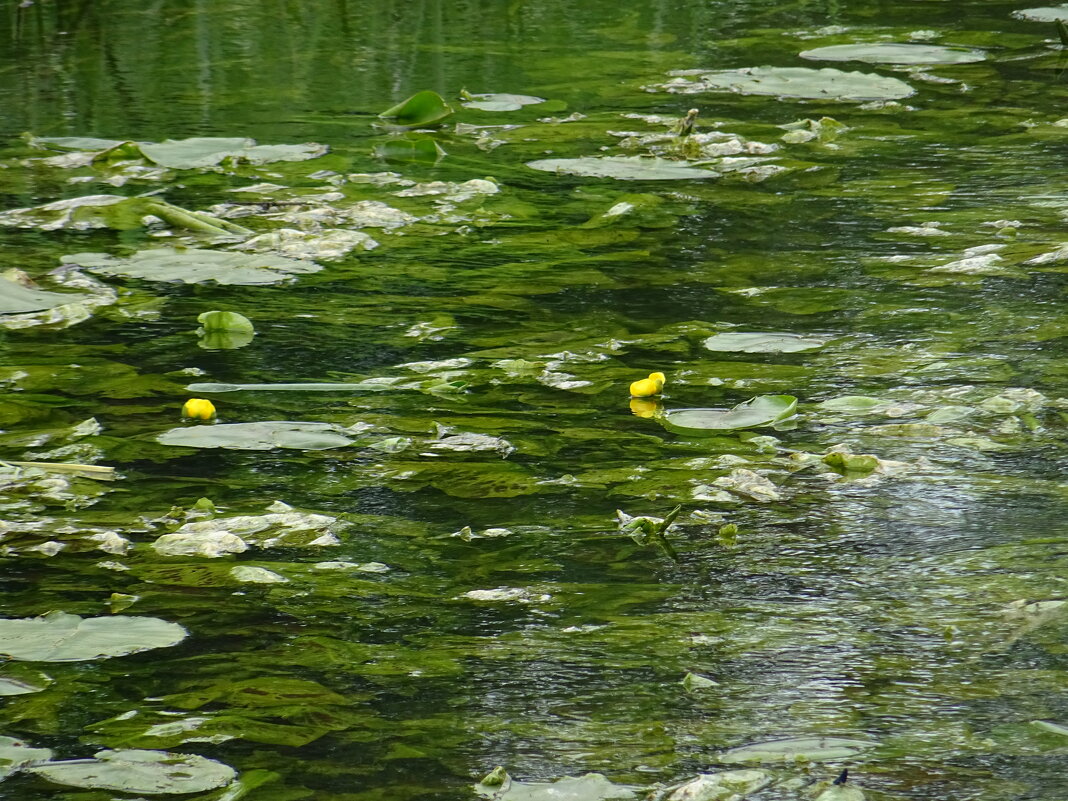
{"points": [[480, 604]]}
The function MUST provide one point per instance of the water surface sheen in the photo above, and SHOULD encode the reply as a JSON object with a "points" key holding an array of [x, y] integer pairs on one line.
{"points": [[514, 624]]}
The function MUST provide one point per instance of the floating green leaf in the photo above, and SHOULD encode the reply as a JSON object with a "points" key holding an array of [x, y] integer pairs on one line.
{"points": [[851, 462], [260, 436], [61, 637], [624, 168], [811, 749], [188, 154], [499, 102], [762, 410], [211, 321], [855, 404], [191, 266], [223, 330], [693, 682], [422, 108], [739, 342], [895, 53], [134, 771], [800, 82]]}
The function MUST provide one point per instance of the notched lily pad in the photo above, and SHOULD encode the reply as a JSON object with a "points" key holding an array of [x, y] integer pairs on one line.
{"points": [[741, 342], [624, 168], [209, 151], [192, 266], [61, 637], [812, 749], [895, 53], [762, 410], [264, 435], [135, 771], [499, 102], [795, 82]]}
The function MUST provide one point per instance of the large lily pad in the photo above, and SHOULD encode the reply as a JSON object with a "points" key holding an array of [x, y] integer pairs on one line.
{"points": [[15, 755], [208, 151], [17, 299], [194, 266], [1043, 14], [264, 435], [895, 53], [743, 342], [799, 82], [61, 637], [500, 101], [134, 771], [762, 410], [186, 154], [812, 749], [623, 168]]}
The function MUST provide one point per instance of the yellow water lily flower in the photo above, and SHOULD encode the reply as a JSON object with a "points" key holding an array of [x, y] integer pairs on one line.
{"points": [[647, 387], [198, 409]]}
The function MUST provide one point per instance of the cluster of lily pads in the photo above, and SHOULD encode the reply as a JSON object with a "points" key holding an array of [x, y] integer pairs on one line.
{"points": [[519, 411]]}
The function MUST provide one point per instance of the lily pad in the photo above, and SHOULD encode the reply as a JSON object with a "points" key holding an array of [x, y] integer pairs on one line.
{"points": [[794, 82], [135, 771], [61, 637], [282, 526], [591, 787], [895, 53], [212, 321], [762, 410], [851, 462], [1043, 14], [624, 168], [188, 154], [854, 404], [729, 784], [192, 266], [740, 342], [422, 108], [812, 749], [15, 755], [500, 102], [18, 299], [259, 436]]}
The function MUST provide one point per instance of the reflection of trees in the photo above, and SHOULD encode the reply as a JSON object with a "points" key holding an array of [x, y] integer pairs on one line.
{"points": [[204, 66]]}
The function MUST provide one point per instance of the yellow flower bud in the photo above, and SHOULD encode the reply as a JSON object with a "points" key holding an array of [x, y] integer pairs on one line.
{"points": [[198, 409], [647, 387]]}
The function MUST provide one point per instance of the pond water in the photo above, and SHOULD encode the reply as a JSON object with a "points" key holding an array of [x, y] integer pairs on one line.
{"points": [[411, 569]]}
